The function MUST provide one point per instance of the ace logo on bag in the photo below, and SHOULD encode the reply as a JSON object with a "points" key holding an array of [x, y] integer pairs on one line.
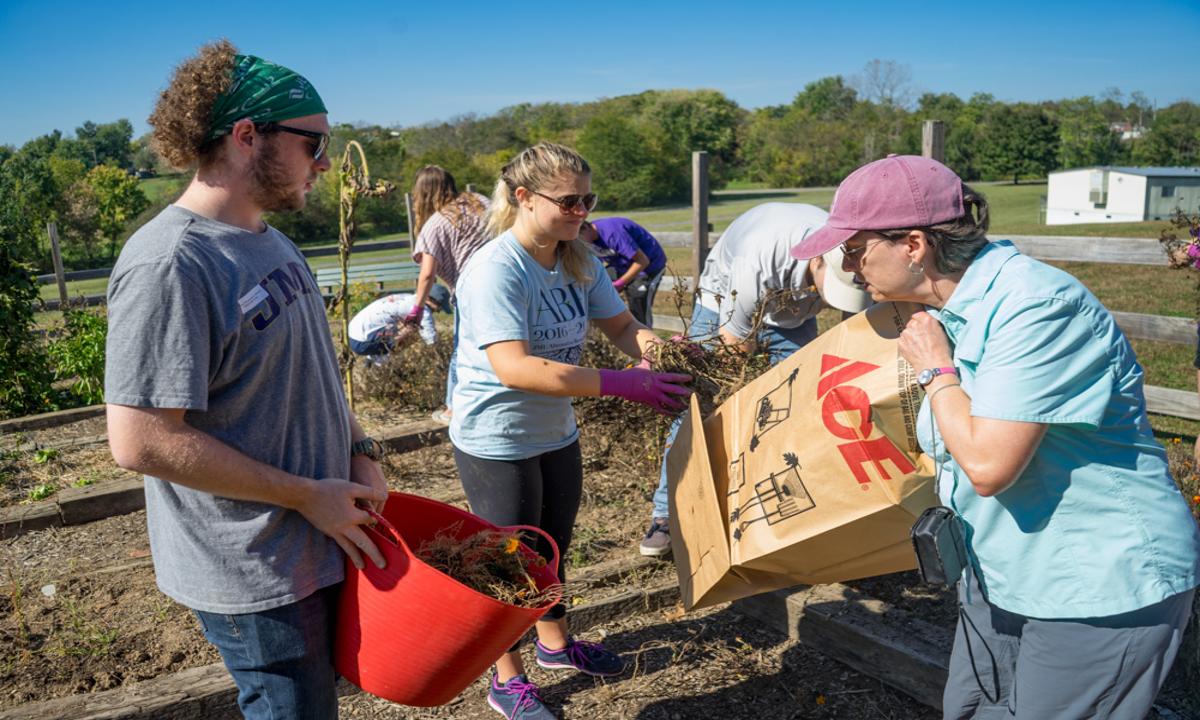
{"points": [[810, 474]]}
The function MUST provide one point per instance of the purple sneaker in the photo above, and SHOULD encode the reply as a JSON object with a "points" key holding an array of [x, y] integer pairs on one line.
{"points": [[518, 699], [586, 657]]}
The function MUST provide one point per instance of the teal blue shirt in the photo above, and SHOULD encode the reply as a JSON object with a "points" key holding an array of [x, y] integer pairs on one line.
{"points": [[504, 294], [1095, 525]]}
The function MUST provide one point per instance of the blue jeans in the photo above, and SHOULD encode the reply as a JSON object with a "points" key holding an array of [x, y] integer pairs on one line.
{"points": [[451, 371], [780, 343], [281, 659]]}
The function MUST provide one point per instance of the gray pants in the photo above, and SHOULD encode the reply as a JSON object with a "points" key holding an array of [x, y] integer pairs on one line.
{"points": [[1006, 665]]}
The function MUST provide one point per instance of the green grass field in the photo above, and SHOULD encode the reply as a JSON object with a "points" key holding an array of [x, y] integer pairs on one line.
{"points": [[1014, 210], [164, 188]]}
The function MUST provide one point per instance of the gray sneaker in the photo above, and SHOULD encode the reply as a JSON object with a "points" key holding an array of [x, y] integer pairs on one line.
{"points": [[518, 699], [657, 541]]}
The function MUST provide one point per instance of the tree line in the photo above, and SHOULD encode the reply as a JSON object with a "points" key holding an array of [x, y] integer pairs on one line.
{"points": [[639, 147]]}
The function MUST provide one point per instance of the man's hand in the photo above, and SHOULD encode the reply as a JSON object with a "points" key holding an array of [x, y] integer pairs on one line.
{"points": [[331, 505], [404, 335], [365, 471]]}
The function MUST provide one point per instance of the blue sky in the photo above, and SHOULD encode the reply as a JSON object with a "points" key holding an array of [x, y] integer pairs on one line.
{"points": [[403, 63]]}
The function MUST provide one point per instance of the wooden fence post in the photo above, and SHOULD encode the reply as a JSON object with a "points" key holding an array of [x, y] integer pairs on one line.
{"points": [[52, 231], [933, 140], [699, 215], [412, 233]]}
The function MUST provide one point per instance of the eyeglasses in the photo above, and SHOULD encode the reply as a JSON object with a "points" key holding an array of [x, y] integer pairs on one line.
{"points": [[858, 253], [568, 204], [321, 138]]}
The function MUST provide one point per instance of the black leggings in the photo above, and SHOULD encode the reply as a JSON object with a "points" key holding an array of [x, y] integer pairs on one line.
{"points": [[542, 491]]}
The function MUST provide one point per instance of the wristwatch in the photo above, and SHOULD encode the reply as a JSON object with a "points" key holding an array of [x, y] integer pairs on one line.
{"points": [[370, 447], [927, 375]]}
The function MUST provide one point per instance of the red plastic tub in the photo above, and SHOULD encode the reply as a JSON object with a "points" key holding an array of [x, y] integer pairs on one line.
{"points": [[412, 634]]}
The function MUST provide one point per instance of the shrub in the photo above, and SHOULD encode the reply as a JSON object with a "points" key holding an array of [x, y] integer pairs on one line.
{"points": [[78, 353], [26, 386]]}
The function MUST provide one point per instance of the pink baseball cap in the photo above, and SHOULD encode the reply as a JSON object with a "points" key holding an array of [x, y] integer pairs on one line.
{"points": [[897, 192]]}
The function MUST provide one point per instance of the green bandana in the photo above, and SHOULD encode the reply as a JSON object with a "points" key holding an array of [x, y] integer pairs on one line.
{"points": [[263, 92]]}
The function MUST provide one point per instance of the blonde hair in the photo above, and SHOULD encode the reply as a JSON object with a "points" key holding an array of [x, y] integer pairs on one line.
{"points": [[534, 168], [434, 190]]}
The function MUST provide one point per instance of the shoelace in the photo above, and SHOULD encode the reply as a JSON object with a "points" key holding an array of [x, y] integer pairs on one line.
{"points": [[526, 692], [579, 652]]}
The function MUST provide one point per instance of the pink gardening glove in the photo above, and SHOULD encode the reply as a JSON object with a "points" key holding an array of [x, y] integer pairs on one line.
{"points": [[414, 316], [619, 284], [660, 391]]}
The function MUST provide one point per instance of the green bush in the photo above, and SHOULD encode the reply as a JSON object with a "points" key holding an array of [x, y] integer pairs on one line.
{"points": [[26, 384], [78, 354]]}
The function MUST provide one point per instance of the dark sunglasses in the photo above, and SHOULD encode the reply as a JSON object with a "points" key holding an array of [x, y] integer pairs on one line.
{"points": [[568, 204], [321, 138]]}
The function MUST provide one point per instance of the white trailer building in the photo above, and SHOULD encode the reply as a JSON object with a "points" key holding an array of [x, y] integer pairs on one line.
{"points": [[1120, 194]]}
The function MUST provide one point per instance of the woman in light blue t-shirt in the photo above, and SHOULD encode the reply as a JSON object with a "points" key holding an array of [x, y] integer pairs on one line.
{"points": [[525, 301]]}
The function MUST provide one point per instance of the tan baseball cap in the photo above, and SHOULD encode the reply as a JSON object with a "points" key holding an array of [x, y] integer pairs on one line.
{"points": [[840, 290]]}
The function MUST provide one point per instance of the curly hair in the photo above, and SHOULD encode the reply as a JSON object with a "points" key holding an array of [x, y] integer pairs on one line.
{"points": [[183, 112]]}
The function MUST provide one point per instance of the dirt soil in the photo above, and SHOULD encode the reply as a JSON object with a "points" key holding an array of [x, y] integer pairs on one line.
{"points": [[708, 664], [36, 464], [79, 612]]}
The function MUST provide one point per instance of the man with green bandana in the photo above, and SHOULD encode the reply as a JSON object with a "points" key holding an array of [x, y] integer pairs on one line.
{"points": [[223, 388]]}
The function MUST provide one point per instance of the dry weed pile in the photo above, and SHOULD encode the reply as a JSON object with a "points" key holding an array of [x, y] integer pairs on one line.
{"points": [[492, 562], [412, 375], [633, 436]]}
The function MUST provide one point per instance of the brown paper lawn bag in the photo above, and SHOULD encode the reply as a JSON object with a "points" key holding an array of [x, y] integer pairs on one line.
{"points": [[810, 474]]}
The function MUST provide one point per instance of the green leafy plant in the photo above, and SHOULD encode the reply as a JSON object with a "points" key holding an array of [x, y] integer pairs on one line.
{"points": [[40, 492], [78, 354], [25, 376], [41, 456]]}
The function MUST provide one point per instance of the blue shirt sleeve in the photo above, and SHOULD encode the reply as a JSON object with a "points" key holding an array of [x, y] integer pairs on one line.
{"points": [[603, 299], [495, 304], [1044, 363]]}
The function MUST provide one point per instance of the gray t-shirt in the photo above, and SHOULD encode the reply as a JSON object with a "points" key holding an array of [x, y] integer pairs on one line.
{"points": [[230, 325]]}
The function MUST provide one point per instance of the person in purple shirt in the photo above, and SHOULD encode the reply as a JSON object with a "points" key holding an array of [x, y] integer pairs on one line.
{"points": [[632, 253]]}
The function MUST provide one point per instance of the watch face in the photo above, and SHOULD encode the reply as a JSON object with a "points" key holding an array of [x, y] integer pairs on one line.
{"points": [[925, 377]]}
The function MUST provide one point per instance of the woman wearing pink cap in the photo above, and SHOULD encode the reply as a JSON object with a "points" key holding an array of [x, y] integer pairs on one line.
{"points": [[1083, 556]]}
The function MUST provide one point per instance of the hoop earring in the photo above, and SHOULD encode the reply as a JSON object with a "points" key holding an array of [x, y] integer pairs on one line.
{"points": [[915, 269]]}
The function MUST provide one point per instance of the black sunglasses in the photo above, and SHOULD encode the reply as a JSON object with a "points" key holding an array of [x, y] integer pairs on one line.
{"points": [[568, 204], [321, 138]]}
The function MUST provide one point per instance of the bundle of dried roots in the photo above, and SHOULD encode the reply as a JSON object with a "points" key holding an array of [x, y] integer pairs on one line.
{"points": [[492, 562]]}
